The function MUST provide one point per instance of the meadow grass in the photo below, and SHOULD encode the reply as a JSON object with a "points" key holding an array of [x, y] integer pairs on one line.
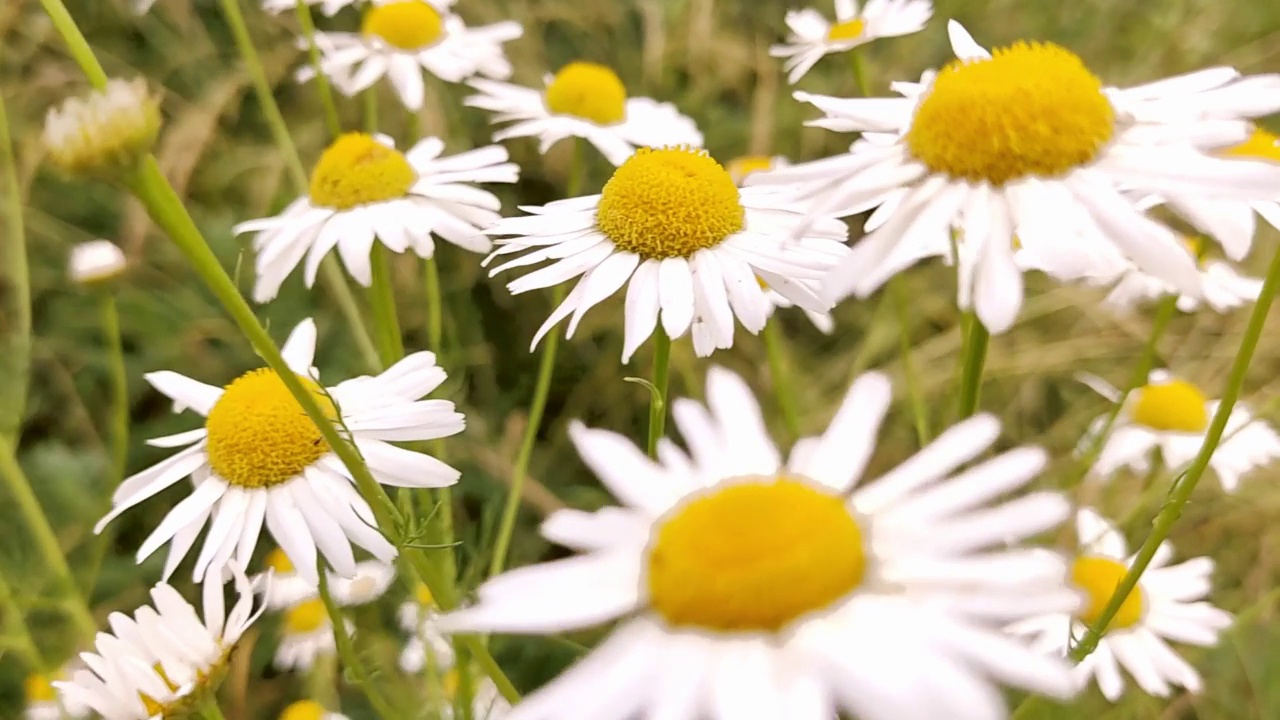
{"points": [[708, 56]]}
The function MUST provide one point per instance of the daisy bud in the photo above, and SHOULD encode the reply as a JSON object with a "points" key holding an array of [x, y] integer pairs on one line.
{"points": [[96, 261], [105, 132]]}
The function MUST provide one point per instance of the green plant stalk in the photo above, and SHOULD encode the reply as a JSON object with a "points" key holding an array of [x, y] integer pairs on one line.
{"points": [[336, 282], [330, 109], [76, 43], [370, 98], [209, 710], [347, 649], [919, 409], [19, 488], [1181, 491], [13, 623], [658, 394], [382, 299], [976, 340], [119, 388], [167, 211], [15, 345], [859, 68], [435, 306], [781, 377]]}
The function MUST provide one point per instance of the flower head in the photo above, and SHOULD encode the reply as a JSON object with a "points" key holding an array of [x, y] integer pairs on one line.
{"points": [[309, 710], [41, 700], [95, 262], [105, 132], [306, 634], [418, 616], [813, 36], [287, 587]]}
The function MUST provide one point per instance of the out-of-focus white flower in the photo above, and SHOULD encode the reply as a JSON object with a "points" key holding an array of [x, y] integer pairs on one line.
{"points": [[287, 587], [419, 618], [813, 36], [105, 132], [96, 261]]}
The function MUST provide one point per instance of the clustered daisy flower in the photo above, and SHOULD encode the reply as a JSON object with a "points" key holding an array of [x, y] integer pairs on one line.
{"points": [[306, 635], [813, 36], [283, 586], [105, 132], [427, 645], [1223, 287]]}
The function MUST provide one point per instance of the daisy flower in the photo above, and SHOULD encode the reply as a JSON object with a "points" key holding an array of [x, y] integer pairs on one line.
{"points": [[1234, 215], [750, 586], [812, 36], [95, 262], [486, 702], [41, 700], [260, 459], [1027, 143], [691, 246], [306, 635], [104, 132], [309, 710], [287, 587], [419, 618], [1172, 415], [1224, 288], [583, 100], [329, 7], [398, 39], [362, 190], [164, 660], [1168, 604]]}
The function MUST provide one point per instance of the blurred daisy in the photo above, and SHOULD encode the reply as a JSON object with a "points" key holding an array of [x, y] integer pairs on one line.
{"points": [[329, 7], [821, 320], [309, 710], [689, 244], [105, 132], [398, 39], [362, 190], [306, 635], [588, 101], [260, 459], [95, 262], [750, 586], [419, 618], [486, 702], [1028, 143], [287, 587], [41, 699], [1168, 604], [812, 36], [1224, 288], [163, 661], [742, 166], [1172, 415]]}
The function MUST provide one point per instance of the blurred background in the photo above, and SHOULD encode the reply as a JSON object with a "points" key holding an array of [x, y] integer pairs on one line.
{"points": [[710, 57]]}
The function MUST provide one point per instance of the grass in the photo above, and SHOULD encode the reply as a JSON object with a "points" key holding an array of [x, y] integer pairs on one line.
{"points": [[708, 56]]}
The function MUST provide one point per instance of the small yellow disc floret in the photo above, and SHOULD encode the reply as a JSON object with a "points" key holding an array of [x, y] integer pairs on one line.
{"points": [[304, 710], [358, 170], [1098, 577], [589, 91], [406, 25], [306, 617], [1173, 406], [847, 30], [1261, 145]]}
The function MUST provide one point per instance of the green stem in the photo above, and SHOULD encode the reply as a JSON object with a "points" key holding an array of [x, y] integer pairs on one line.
{"points": [[658, 396], [370, 97], [435, 306], [976, 340], [13, 623], [15, 344], [209, 710], [15, 481], [79, 47], [119, 388], [340, 291], [382, 298], [1181, 491], [347, 649], [859, 72], [308, 25], [537, 406], [778, 372], [919, 410]]}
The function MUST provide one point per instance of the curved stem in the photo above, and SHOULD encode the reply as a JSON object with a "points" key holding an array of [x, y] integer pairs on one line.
{"points": [[15, 342], [330, 109], [76, 44], [119, 388], [976, 339], [778, 372], [658, 396], [382, 298], [14, 625], [347, 649]]}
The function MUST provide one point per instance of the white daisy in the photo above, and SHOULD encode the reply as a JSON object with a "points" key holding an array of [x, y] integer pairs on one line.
{"points": [[398, 39], [96, 261], [419, 618], [1028, 143], [104, 132], [750, 586], [486, 702], [163, 660], [1171, 414], [689, 244], [309, 710], [1168, 604], [287, 587], [1236, 216], [1223, 286], [584, 100], [41, 699], [812, 36], [362, 190], [306, 634], [259, 459]]}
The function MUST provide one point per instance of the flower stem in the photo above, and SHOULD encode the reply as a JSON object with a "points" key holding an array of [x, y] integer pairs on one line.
{"points": [[119, 388], [976, 339], [859, 72], [435, 306], [347, 649], [14, 626], [15, 301], [658, 395], [382, 298], [1181, 491], [76, 43], [781, 377], [340, 291], [209, 710], [19, 488], [919, 410], [308, 25]]}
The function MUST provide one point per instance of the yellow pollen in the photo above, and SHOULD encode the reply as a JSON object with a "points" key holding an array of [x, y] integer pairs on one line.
{"points": [[279, 561], [1173, 406], [406, 25], [358, 170], [589, 91], [754, 556], [740, 167], [304, 710], [259, 436], [423, 595], [1098, 577], [1261, 145], [37, 689], [306, 617], [847, 30], [670, 202], [1031, 109]]}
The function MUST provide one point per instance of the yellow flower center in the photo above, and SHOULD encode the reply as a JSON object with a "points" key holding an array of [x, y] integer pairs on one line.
{"points": [[670, 202], [306, 617], [1196, 247], [1098, 577], [358, 170], [279, 561], [754, 556], [423, 595], [37, 689], [449, 683], [153, 706], [1174, 406], [259, 435], [740, 167], [1261, 145], [304, 710], [847, 30], [589, 91], [407, 25], [1031, 109]]}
